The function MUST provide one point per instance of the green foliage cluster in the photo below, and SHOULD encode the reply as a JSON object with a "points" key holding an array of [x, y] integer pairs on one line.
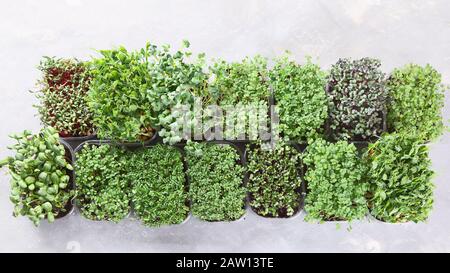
{"points": [[336, 182], [127, 96], [62, 94], [176, 81], [216, 178], [274, 180], [134, 93], [40, 185], [400, 179], [245, 81], [158, 185], [416, 100], [103, 188], [301, 99], [357, 93], [235, 86], [118, 95]]}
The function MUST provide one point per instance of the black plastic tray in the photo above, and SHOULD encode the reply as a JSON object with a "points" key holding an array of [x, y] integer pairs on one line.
{"points": [[74, 142], [154, 139]]}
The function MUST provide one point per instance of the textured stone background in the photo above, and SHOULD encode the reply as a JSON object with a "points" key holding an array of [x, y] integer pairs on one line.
{"points": [[397, 32]]}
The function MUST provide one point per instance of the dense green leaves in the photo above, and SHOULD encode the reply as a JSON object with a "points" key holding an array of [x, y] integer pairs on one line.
{"points": [[176, 81], [245, 81], [237, 87], [62, 95], [416, 101], [134, 93], [274, 180], [216, 182], [357, 95], [158, 185], [300, 97], [335, 180], [400, 179], [103, 188], [39, 170], [118, 94]]}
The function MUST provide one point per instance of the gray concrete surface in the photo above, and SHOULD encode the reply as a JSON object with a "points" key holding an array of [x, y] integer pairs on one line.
{"points": [[397, 32]]}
